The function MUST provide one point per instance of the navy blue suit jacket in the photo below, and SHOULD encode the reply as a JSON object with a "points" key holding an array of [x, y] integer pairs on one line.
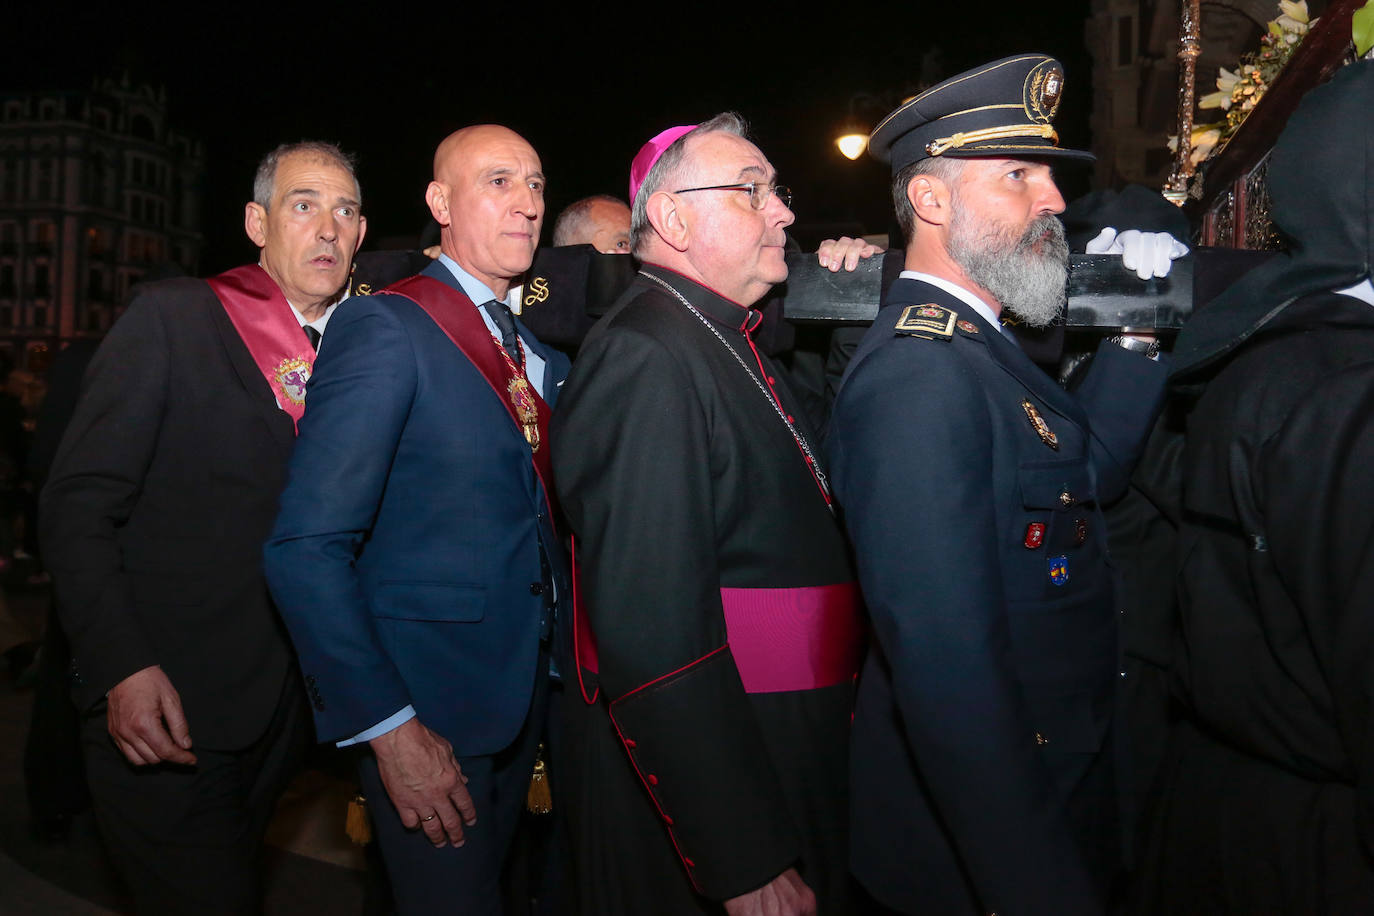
{"points": [[982, 768], [406, 555]]}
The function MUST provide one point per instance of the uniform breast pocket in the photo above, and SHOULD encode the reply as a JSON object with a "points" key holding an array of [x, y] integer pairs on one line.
{"points": [[455, 602], [1057, 486], [1055, 528]]}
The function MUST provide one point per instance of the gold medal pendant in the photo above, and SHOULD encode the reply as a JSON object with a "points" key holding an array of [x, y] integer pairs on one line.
{"points": [[526, 409]]}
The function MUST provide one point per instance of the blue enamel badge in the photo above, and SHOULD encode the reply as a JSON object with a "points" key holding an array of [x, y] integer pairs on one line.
{"points": [[1059, 570]]}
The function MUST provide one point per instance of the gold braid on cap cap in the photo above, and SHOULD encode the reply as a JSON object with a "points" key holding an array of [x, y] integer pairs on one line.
{"points": [[963, 138]]}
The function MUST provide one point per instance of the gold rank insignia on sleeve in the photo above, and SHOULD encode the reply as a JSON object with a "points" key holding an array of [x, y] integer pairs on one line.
{"points": [[930, 321]]}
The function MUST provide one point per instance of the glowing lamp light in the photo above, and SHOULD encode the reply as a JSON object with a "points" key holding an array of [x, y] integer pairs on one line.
{"points": [[852, 146]]}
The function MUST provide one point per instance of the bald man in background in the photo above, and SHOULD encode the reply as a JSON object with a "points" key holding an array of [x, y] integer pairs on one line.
{"points": [[601, 221]]}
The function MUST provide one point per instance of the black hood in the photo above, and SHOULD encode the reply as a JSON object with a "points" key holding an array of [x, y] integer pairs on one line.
{"points": [[1321, 187]]}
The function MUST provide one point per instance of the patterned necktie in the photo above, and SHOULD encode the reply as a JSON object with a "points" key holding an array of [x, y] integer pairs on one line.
{"points": [[505, 322], [313, 335]]}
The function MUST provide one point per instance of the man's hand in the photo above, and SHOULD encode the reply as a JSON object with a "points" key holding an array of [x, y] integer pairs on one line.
{"points": [[845, 252], [145, 719], [1149, 254], [425, 782], [785, 895]]}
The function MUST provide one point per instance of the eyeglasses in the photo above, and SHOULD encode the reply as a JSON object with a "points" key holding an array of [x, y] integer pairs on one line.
{"points": [[758, 192]]}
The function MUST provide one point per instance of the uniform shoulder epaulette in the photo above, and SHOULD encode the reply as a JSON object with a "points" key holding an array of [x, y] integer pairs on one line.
{"points": [[930, 321]]}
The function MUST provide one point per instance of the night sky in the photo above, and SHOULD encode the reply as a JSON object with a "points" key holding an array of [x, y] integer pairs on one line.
{"points": [[585, 87]]}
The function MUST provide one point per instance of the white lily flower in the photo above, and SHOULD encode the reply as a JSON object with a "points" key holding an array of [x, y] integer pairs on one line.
{"points": [[1294, 11], [1204, 141]]}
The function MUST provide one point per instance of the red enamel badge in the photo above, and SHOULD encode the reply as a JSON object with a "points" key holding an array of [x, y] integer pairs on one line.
{"points": [[1035, 535]]}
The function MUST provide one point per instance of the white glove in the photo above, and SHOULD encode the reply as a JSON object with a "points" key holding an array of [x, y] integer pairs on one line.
{"points": [[1149, 254]]}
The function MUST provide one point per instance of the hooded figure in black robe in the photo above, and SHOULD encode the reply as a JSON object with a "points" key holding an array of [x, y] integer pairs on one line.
{"points": [[1266, 796]]}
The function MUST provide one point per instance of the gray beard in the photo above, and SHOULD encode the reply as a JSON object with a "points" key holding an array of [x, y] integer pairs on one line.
{"points": [[1028, 283]]}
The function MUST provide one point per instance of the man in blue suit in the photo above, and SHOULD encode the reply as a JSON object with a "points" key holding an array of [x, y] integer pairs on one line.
{"points": [[983, 776], [414, 559]]}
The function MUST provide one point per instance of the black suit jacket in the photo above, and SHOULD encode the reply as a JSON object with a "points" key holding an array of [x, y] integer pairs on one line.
{"points": [[153, 518]]}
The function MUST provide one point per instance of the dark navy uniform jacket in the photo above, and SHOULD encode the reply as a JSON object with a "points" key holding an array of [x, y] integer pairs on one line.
{"points": [[982, 773]]}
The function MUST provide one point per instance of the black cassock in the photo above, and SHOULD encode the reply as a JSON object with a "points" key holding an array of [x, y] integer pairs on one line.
{"points": [[706, 765]]}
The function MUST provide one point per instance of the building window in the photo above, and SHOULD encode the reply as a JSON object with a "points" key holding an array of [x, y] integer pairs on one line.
{"points": [[97, 241], [42, 283], [44, 236], [95, 284], [14, 111], [142, 127], [6, 316], [9, 180], [40, 316], [8, 236], [45, 188], [6, 281], [1125, 41]]}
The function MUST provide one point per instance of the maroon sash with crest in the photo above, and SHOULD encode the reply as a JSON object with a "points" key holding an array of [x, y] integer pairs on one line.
{"points": [[456, 315], [270, 330]]}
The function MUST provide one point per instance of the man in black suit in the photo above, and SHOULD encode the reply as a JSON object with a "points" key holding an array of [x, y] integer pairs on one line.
{"points": [[983, 772], [158, 502]]}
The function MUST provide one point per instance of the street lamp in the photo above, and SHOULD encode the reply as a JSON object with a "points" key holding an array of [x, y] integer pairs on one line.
{"points": [[852, 143]]}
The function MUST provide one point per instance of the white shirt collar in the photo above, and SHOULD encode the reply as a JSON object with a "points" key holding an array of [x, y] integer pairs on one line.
{"points": [[1364, 291], [319, 323], [963, 295], [473, 288]]}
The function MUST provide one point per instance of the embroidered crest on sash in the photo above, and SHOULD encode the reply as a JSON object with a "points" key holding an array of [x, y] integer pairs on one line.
{"points": [[292, 374]]}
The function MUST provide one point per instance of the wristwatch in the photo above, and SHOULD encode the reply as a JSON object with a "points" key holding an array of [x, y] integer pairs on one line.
{"points": [[1149, 348]]}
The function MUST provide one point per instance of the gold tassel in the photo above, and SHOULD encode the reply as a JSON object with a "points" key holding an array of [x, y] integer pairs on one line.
{"points": [[357, 824], [538, 799]]}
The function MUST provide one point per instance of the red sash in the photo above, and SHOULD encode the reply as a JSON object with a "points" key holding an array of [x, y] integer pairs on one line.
{"points": [[457, 317], [270, 330], [781, 638]]}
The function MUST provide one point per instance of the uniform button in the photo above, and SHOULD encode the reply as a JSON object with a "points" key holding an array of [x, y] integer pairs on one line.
{"points": [[1041, 739], [667, 820], [770, 379], [789, 418], [1123, 674], [653, 780], [629, 742], [689, 862], [1065, 499], [536, 588]]}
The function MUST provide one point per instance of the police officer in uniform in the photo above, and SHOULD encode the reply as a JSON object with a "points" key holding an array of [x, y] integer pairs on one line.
{"points": [[983, 778]]}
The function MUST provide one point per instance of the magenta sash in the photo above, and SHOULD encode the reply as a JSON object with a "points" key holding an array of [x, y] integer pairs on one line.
{"points": [[270, 330], [781, 638]]}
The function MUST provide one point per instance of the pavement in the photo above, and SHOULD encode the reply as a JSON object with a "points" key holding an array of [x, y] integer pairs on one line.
{"points": [[310, 866]]}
